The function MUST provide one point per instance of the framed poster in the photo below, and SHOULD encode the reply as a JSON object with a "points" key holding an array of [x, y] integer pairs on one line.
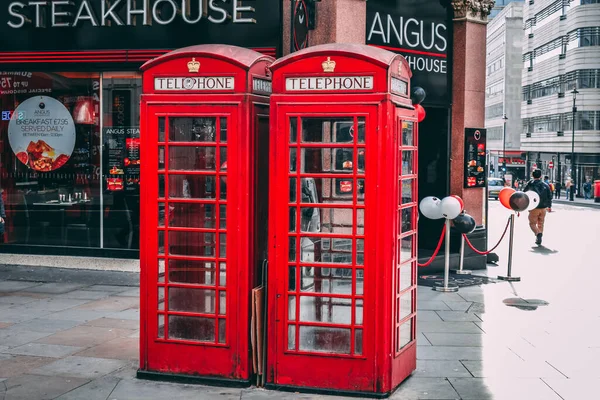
{"points": [[475, 158]]}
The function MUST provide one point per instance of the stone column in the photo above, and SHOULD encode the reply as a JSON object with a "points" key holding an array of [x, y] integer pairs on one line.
{"points": [[338, 21], [468, 92]]}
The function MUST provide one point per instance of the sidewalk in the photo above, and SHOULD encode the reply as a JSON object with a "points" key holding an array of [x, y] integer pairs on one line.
{"points": [[67, 334], [577, 202]]}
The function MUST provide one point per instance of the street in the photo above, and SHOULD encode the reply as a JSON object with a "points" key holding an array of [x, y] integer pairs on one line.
{"points": [[74, 334]]}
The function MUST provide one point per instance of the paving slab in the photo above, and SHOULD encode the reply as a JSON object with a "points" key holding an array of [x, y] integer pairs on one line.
{"points": [[78, 315], [455, 339], [109, 288], [432, 305], [114, 323], [44, 350], [458, 305], [573, 389], [440, 369], [422, 340], [54, 305], [511, 368], [49, 326], [137, 389], [85, 294], [15, 286], [13, 337], [98, 389], [85, 336], [18, 365], [20, 313], [263, 394], [5, 325], [448, 327], [132, 314], [503, 389], [40, 387], [131, 293], [79, 367], [120, 348], [457, 316], [55, 287], [423, 316], [113, 303], [416, 388], [15, 299], [449, 353]]}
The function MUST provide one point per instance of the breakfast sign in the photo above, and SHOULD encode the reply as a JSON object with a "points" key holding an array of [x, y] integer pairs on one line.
{"points": [[475, 158], [41, 133]]}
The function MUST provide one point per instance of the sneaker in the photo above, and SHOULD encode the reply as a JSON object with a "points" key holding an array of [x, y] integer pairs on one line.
{"points": [[538, 239]]}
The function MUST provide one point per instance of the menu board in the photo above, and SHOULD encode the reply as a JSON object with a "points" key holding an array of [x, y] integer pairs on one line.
{"points": [[475, 158]]}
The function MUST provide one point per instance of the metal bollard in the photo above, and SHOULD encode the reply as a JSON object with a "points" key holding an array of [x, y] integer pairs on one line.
{"points": [[446, 287], [461, 259], [508, 276]]}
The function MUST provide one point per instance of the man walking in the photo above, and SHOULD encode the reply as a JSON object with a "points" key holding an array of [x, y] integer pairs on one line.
{"points": [[538, 214], [557, 189]]}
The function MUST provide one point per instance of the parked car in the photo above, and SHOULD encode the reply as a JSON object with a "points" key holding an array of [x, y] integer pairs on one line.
{"points": [[495, 185]]}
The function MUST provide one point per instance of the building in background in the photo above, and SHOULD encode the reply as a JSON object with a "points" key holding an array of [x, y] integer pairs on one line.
{"points": [[560, 54], [499, 6], [503, 92]]}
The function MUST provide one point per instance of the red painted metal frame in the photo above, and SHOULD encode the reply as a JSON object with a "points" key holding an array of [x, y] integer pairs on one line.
{"points": [[383, 365], [158, 352]]}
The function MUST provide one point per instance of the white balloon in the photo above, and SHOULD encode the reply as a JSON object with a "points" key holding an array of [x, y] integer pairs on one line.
{"points": [[534, 199], [451, 207], [431, 207]]}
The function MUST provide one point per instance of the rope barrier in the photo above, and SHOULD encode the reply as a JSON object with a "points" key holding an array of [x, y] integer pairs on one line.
{"points": [[437, 249], [493, 248]]}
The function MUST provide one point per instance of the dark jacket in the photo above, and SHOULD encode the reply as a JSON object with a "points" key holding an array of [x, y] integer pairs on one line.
{"points": [[543, 190], [2, 214]]}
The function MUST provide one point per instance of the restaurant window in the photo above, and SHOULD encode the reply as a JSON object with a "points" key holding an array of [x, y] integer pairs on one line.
{"points": [[59, 133]]}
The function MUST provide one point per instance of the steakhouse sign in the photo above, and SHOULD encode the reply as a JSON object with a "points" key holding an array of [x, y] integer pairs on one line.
{"points": [[136, 24], [417, 29]]}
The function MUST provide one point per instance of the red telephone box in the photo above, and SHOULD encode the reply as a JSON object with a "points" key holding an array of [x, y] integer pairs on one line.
{"points": [[204, 131], [343, 224]]}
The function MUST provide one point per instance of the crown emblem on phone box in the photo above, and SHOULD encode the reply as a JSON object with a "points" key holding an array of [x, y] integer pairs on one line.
{"points": [[328, 65], [193, 66]]}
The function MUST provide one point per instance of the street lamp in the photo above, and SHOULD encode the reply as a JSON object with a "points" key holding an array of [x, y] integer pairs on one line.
{"points": [[504, 118], [573, 169]]}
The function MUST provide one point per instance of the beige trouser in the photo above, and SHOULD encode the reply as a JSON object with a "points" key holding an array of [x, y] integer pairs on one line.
{"points": [[536, 220]]}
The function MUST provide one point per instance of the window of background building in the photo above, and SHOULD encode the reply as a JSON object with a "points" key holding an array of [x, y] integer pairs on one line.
{"points": [[61, 134], [494, 111]]}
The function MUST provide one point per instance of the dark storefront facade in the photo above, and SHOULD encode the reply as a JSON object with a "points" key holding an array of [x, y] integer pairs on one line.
{"points": [[69, 99]]}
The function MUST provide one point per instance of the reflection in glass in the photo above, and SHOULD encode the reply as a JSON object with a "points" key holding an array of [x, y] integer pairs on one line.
{"points": [[325, 340], [161, 129], [161, 298], [161, 214], [292, 308], [318, 249], [407, 162], [197, 329], [359, 312], [292, 249], [161, 242], [407, 191], [161, 270], [161, 186], [326, 280], [192, 158], [333, 220], [192, 300], [405, 276], [223, 274], [360, 251], [325, 309], [192, 243], [327, 160], [293, 129], [192, 215], [407, 220], [192, 186], [405, 334], [406, 304], [222, 245], [222, 216], [332, 130], [291, 337], [358, 341], [293, 159], [360, 221], [161, 326], [192, 271], [223, 122], [192, 129], [407, 133], [293, 190], [222, 330], [161, 157], [406, 248], [222, 303]]}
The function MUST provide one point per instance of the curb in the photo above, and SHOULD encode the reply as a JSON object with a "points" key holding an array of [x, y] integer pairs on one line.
{"points": [[591, 204]]}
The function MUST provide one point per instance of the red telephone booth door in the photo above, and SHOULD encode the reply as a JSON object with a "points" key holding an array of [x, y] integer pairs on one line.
{"points": [[326, 284], [189, 328]]}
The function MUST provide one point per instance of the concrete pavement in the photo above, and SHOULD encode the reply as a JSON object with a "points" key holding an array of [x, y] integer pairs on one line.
{"points": [[69, 334]]}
